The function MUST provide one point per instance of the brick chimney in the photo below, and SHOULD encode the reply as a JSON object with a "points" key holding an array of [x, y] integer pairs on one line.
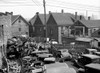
{"points": [[75, 15], [89, 18], [8, 13], [80, 17], [49, 12], [62, 11], [37, 13]]}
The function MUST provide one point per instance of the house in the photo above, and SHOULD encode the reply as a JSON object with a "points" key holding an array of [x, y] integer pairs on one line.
{"points": [[92, 25], [19, 26], [58, 25], [12, 25], [37, 22], [85, 27], [78, 29]]}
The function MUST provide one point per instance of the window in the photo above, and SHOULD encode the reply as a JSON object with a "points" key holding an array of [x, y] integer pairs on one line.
{"points": [[99, 33], [19, 29]]}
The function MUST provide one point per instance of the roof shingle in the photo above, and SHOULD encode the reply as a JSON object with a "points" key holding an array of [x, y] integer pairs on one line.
{"points": [[63, 18], [91, 23]]}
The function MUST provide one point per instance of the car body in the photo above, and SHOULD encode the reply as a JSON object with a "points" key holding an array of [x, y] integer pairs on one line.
{"points": [[97, 53], [38, 67], [92, 68], [65, 54], [86, 59], [91, 51], [45, 56], [59, 68], [50, 59]]}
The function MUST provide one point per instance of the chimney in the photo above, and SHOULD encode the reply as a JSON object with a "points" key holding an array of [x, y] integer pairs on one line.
{"points": [[75, 15], [8, 13], [62, 11], [49, 12], [80, 17], [11, 13], [37, 13], [89, 18]]}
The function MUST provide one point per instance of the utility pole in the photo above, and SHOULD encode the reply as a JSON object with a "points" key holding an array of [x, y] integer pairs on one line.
{"points": [[44, 3]]}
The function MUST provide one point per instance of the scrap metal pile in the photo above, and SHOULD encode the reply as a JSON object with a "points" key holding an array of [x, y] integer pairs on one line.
{"points": [[19, 56]]}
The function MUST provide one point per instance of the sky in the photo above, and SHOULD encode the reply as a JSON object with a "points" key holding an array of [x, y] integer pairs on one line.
{"points": [[28, 8]]}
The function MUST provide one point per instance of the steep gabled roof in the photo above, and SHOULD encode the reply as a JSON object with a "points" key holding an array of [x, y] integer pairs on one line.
{"points": [[63, 18], [41, 16], [91, 23], [14, 18], [32, 20]]}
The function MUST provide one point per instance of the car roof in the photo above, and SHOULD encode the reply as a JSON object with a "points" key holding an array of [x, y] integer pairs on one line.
{"points": [[93, 66], [97, 52], [40, 51], [91, 56], [92, 49]]}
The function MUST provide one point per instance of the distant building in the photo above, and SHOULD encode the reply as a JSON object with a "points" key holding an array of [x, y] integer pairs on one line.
{"points": [[58, 24], [12, 25], [85, 27], [19, 26], [38, 25]]}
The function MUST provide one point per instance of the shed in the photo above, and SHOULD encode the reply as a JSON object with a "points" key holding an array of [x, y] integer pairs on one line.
{"points": [[84, 41], [95, 43]]}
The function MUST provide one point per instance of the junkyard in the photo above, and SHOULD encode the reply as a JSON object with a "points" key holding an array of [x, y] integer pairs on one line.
{"points": [[49, 36], [25, 55]]}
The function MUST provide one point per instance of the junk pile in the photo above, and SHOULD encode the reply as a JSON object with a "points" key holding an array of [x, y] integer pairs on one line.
{"points": [[19, 57]]}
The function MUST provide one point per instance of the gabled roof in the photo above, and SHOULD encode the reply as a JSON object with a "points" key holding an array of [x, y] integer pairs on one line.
{"points": [[63, 18], [91, 23], [41, 16], [32, 21], [14, 18]]}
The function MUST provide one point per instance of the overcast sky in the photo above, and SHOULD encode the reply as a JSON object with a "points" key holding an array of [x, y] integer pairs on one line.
{"points": [[28, 8]]}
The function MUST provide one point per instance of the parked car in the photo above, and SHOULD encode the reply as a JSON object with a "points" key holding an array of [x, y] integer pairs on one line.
{"points": [[44, 56], [50, 59], [38, 67], [65, 55], [86, 59], [92, 68], [97, 53], [91, 51]]}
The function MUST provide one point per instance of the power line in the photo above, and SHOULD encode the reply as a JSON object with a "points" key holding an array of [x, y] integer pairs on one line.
{"points": [[71, 8], [75, 4], [49, 4], [34, 2]]}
